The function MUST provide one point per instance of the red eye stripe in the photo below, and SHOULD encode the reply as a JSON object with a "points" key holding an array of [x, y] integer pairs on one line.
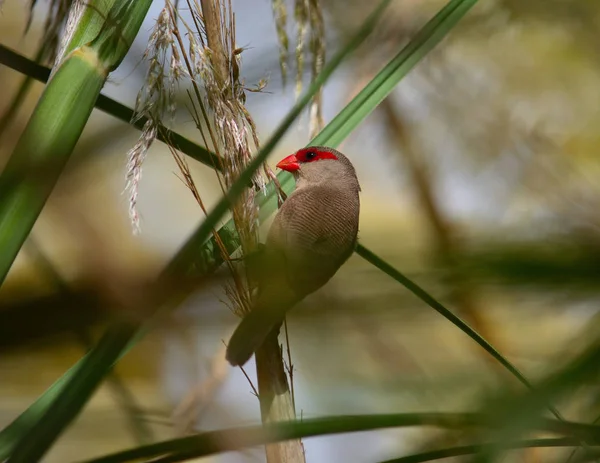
{"points": [[311, 154]]}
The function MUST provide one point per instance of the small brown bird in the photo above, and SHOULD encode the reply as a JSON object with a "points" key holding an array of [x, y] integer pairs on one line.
{"points": [[312, 235]]}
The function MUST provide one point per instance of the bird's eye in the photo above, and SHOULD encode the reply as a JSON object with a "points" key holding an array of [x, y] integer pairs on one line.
{"points": [[310, 155]]}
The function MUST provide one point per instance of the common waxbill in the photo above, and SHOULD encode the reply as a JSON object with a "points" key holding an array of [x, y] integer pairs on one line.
{"points": [[312, 235]]}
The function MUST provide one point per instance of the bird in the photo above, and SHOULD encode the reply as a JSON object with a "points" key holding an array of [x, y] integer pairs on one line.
{"points": [[314, 232]]}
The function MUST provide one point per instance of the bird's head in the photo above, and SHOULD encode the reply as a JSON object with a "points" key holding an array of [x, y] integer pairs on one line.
{"points": [[319, 164]]}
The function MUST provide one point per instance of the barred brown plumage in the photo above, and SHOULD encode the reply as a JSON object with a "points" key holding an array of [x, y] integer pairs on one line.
{"points": [[313, 234]]}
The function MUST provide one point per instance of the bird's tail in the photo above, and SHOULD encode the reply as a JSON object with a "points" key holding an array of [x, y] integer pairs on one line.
{"points": [[250, 334]]}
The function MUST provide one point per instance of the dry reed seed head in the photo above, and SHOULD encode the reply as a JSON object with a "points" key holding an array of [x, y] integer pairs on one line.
{"points": [[161, 37], [280, 15], [301, 15], [155, 99], [309, 23], [176, 72], [195, 55], [317, 48], [58, 14], [236, 302], [135, 158], [218, 96], [225, 96], [74, 14]]}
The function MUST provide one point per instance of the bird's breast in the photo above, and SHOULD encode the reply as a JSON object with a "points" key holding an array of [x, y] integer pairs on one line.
{"points": [[316, 231]]}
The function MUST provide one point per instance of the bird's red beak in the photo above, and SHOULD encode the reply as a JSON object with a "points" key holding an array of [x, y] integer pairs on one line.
{"points": [[290, 163]]}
